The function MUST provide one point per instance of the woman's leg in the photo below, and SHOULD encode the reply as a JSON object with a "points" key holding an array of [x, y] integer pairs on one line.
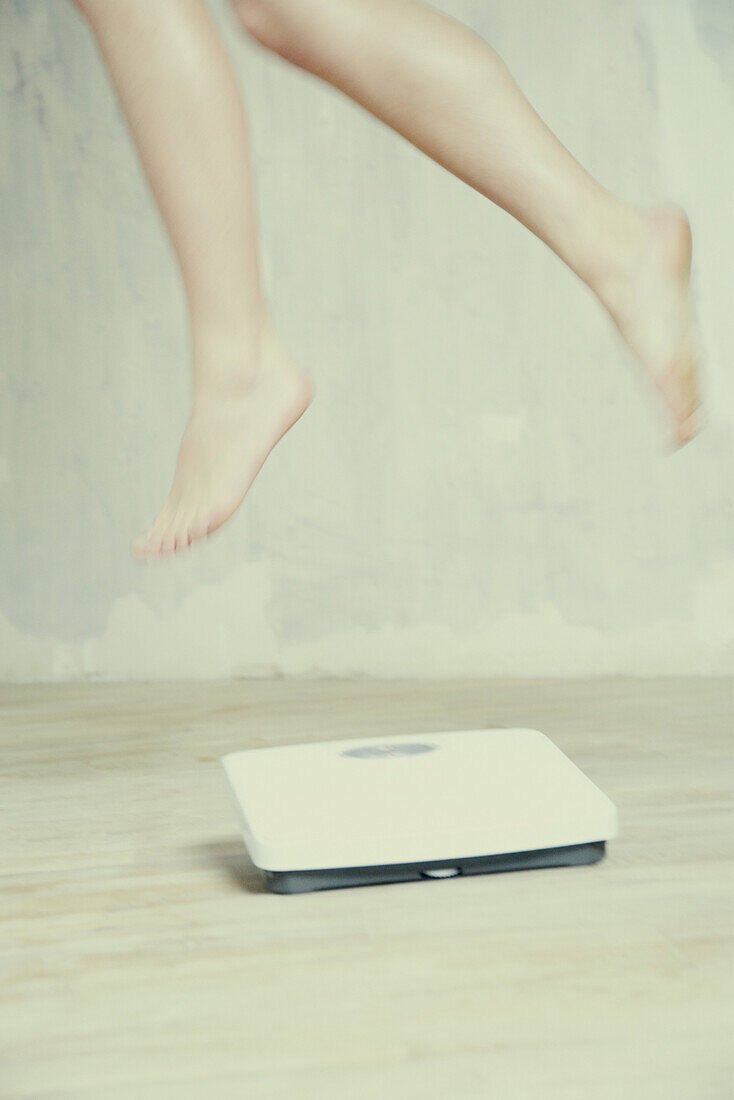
{"points": [[180, 98], [443, 88]]}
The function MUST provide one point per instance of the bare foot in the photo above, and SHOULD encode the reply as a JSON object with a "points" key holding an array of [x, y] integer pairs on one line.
{"points": [[649, 300], [231, 431]]}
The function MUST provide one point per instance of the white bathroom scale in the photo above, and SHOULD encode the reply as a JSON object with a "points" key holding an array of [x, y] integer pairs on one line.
{"points": [[361, 812]]}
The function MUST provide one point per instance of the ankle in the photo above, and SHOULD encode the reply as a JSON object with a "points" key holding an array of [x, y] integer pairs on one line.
{"points": [[619, 248], [228, 364]]}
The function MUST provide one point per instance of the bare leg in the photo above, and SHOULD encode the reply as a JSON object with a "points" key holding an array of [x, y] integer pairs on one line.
{"points": [[444, 89], [182, 105]]}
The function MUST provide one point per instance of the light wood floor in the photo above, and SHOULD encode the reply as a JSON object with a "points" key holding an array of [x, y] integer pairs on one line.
{"points": [[142, 957]]}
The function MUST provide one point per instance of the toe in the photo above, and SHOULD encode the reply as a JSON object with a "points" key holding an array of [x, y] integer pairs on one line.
{"points": [[168, 544], [147, 546], [690, 427], [177, 536], [160, 540], [156, 536], [680, 391], [183, 535], [173, 537], [198, 529], [138, 547]]}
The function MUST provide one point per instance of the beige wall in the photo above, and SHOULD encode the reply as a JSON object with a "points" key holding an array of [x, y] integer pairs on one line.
{"points": [[479, 487]]}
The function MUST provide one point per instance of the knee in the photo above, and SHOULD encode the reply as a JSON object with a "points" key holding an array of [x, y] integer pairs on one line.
{"points": [[266, 21]]}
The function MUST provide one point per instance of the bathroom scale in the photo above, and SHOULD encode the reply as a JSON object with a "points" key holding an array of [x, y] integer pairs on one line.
{"points": [[369, 811]]}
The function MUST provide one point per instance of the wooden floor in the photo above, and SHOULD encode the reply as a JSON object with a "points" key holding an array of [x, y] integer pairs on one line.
{"points": [[143, 959]]}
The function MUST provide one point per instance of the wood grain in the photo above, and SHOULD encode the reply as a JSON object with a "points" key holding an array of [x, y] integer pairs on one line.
{"points": [[142, 957]]}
